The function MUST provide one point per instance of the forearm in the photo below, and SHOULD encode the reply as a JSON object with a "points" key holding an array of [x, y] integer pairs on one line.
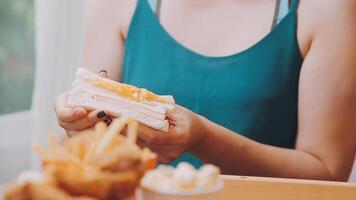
{"points": [[236, 154]]}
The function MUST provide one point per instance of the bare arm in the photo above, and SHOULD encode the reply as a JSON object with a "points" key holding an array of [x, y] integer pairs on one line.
{"points": [[105, 32], [326, 141]]}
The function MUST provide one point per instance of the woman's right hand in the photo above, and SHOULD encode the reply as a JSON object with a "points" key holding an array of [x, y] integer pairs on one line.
{"points": [[74, 119]]}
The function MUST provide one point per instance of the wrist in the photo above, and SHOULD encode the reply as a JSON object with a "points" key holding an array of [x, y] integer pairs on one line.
{"points": [[203, 131]]}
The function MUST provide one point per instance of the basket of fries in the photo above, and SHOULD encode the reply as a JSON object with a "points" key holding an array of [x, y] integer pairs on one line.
{"points": [[96, 164]]}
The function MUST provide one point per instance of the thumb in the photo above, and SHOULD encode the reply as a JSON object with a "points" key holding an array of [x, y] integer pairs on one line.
{"points": [[103, 73], [96, 116]]}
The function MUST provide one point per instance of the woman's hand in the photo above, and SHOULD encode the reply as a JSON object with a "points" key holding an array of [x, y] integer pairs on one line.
{"points": [[186, 131], [74, 119]]}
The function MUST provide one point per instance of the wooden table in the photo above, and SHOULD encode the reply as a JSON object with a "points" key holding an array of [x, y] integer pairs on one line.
{"points": [[258, 188]]}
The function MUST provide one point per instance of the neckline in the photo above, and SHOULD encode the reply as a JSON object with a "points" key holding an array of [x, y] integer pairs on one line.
{"points": [[206, 57]]}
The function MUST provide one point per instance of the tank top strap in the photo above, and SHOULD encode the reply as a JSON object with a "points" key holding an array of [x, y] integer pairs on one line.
{"points": [[282, 9], [295, 5], [155, 6]]}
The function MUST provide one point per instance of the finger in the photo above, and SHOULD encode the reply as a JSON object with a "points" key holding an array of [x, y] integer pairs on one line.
{"points": [[107, 120], [92, 118], [150, 135], [66, 113], [172, 122], [157, 148], [175, 114], [71, 133], [156, 137], [143, 144], [165, 153], [153, 147], [171, 113], [89, 121], [103, 73]]}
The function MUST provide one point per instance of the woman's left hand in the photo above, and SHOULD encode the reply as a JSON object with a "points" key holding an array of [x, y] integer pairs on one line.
{"points": [[186, 130]]}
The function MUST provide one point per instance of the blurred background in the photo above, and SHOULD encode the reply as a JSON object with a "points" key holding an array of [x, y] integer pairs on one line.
{"points": [[17, 56], [40, 43]]}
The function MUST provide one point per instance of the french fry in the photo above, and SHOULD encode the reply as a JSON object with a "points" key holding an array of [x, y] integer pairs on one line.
{"points": [[127, 154], [132, 131], [40, 151], [98, 164], [90, 153], [114, 129], [52, 143], [32, 191], [100, 129], [149, 158], [71, 158], [79, 150]]}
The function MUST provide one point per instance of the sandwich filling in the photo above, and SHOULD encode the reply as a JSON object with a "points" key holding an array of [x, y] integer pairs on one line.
{"points": [[118, 99]]}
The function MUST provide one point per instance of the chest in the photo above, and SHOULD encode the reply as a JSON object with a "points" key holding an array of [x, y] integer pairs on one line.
{"points": [[215, 28], [155, 59], [252, 91]]}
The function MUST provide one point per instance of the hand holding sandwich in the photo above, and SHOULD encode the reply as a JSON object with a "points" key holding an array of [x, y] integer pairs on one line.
{"points": [[74, 119], [186, 131], [165, 127]]}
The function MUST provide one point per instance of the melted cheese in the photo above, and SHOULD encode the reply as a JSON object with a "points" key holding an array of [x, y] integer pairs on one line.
{"points": [[129, 91]]}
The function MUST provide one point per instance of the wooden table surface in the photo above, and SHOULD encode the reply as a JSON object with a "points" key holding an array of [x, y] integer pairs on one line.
{"points": [[259, 188]]}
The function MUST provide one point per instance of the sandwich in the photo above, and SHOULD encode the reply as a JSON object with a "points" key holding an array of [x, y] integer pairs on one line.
{"points": [[118, 99]]}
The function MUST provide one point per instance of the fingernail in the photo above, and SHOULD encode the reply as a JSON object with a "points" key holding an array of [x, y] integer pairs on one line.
{"points": [[101, 115], [103, 71], [107, 121]]}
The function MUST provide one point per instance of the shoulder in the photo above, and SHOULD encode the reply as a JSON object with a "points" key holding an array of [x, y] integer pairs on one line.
{"points": [[111, 12], [329, 7], [327, 13], [326, 19]]}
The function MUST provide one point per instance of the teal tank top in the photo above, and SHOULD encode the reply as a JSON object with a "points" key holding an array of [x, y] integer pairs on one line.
{"points": [[253, 92]]}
